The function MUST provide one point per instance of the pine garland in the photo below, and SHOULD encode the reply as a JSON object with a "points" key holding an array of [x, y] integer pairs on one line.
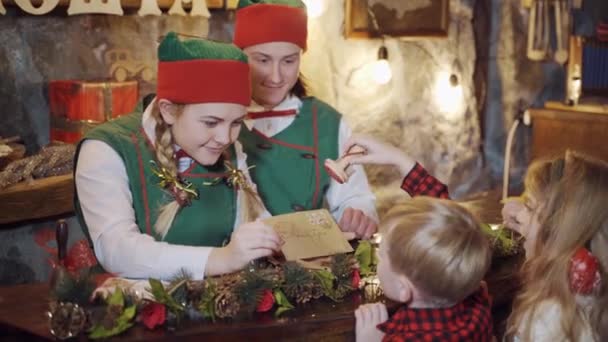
{"points": [[68, 287], [250, 290], [262, 286]]}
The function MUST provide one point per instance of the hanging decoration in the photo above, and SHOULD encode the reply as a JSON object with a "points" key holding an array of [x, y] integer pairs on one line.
{"points": [[113, 7]]}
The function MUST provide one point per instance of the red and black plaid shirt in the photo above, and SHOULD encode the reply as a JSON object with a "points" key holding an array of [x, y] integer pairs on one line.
{"points": [[469, 320], [420, 182]]}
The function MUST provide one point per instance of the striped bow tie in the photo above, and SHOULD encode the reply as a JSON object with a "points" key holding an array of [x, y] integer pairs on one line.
{"points": [[271, 114]]}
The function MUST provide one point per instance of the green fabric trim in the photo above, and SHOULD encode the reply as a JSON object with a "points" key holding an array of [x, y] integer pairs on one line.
{"points": [[286, 176], [292, 3], [173, 49]]}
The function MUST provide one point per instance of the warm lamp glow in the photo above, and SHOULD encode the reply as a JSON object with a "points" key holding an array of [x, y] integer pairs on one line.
{"points": [[377, 71], [448, 94], [494, 226], [315, 8], [381, 71]]}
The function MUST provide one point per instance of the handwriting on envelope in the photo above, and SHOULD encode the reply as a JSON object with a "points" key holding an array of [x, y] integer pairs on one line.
{"points": [[309, 234]]}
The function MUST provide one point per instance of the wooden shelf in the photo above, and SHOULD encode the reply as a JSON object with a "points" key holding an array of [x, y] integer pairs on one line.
{"points": [[597, 106], [37, 199]]}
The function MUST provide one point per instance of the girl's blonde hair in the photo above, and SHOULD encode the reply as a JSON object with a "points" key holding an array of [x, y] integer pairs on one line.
{"points": [[571, 193], [250, 202], [439, 246]]}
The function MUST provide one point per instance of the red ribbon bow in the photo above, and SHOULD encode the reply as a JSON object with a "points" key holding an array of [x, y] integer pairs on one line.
{"points": [[271, 114], [584, 272]]}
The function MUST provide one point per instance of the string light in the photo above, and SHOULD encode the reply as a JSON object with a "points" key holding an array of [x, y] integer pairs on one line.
{"points": [[315, 8], [382, 73], [448, 94]]}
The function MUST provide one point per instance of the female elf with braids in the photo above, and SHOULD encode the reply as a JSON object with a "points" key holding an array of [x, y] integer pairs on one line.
{"points": [[163, 190]]}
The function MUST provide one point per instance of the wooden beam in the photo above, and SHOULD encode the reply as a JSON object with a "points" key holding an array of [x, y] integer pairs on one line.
{"points": [[163, 4], [41, 198]]}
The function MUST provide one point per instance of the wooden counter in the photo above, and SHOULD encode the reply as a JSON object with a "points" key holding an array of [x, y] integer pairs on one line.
{"points": [[22, 310], [22, 316]]}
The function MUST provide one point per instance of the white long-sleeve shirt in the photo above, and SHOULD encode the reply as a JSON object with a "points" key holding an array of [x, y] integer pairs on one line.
{"points": [[107, 206], [355, 194], [545, 325]]}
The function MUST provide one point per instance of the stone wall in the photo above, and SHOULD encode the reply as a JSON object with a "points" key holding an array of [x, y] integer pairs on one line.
{"points": [[412, 111], [37, 49]]}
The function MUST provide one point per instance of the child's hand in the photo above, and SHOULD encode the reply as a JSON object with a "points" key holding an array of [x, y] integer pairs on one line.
{"points": [[379, 153], [355, 221], [367, 317], [510, 211]]}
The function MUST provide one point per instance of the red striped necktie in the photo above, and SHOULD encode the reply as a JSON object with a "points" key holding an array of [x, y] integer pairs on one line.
{"points": [[271, 114]]}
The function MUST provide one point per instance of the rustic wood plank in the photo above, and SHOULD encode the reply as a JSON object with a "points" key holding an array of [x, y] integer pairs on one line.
{"points": [[37, 199], [555, 131], [597, 107]]}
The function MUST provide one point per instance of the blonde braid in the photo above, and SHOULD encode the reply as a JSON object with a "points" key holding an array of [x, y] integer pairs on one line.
{"points": [[165, 155], [251, 204]]}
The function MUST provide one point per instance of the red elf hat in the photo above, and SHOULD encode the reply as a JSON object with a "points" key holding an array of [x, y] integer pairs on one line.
{"points": [[202, 71], [265, 21]]}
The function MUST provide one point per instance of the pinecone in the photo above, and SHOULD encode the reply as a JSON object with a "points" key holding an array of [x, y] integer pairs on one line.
{"points": [[228, 281], [299, 282], [317, 291], [226, 304], [305, 294], [66, 319], [226, 301], [274, 274]]}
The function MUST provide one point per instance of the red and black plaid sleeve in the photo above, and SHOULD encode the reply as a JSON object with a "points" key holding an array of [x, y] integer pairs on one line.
{"points": [[469, 320], [420, 182]]}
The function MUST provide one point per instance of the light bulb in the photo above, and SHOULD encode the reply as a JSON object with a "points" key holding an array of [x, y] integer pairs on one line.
{"points": [[315, 8], [448, 94], [381, 71]]}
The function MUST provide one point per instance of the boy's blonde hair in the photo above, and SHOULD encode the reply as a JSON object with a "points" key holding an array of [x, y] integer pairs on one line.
{"points": [[572, 192], [439, 246]]}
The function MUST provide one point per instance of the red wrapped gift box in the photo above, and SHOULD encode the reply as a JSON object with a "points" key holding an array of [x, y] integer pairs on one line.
{"points": [[77, 106]]}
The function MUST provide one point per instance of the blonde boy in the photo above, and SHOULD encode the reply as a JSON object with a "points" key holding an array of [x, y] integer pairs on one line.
{"points": [[432, 258]]}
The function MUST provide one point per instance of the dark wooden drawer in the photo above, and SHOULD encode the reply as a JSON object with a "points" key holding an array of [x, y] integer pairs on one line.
{"points": [[554, 131]]}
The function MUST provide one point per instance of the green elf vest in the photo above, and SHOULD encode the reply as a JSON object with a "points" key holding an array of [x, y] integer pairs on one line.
{"points": [[289, 170], [208, 221]]}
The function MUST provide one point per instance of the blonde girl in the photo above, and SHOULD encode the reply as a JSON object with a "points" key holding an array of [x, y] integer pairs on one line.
{"points": [[565, 223]]}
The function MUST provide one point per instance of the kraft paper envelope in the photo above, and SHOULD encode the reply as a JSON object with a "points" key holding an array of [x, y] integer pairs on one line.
{"points": [[309, 234]]}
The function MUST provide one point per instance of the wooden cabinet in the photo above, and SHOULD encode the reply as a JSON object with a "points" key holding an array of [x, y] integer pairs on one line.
{"points": [[556, 128]]}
